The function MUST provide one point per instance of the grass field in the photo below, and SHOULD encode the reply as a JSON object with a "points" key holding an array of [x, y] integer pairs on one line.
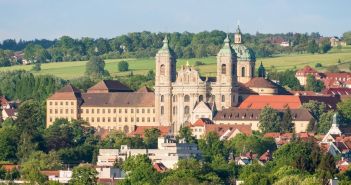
{"points": [[70, 70]]}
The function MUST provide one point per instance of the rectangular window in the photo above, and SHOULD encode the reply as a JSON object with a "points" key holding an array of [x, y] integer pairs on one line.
{"points": [[103, 111], [72, 111], [109, 111], [114, 119], [50, 119], [137, 119], [55, 102], [120, 110], [50, 103], [148, 119], [103, 119], [153, 119], [92, 119], [55, 111], [97, 111], [148, 110], [50, 111], [61, 103], [66, 111], [120, 119], [137, 110], [132, 119], [125, 110], [132, 111], [98, 119], [66, 102], [92, 111], [60, 111], [87, 111], [114, 110], [126, 119], [142, 110], [108, 119], [153, 110], [143, 119]]}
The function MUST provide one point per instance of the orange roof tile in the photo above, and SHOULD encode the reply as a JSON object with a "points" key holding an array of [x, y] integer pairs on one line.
{"points": [[274, 101], [140, 130]]}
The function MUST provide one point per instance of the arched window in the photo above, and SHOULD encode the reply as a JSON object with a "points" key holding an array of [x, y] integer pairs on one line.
{"points": [[186, 110], [162, 110], [174, 98], [224, 69], [186, 98], [162, 98], [126, 129], [162, 69], [201, 98], [243, 71], [223, 98]]}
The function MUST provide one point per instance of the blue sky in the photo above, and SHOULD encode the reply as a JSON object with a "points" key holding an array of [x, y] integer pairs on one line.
{"points": [[29, 19]]}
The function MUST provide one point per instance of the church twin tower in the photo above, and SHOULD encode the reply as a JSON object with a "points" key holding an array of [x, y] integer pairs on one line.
{"points": [[178, 94]]}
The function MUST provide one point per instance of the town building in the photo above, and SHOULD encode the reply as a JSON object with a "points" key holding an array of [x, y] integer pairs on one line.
{"points": [[169, 152], [225, 131], [250, 117], [335, 41], [330, 80], [303, 73]]}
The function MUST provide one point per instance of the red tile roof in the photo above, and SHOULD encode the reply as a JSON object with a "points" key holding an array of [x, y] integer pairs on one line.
{"points": [[3, 101], [140, 130], [221, 129], [281, 101], [339, 91], [260, 82], [267, 156], [68, 92], [306, 71], [202, 122], [120, 99], [55, 173], [106, 86], [9, 167], [159, 167], [144, 89], [274, 101]]}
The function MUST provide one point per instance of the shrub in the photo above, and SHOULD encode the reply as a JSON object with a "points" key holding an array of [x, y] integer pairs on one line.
{"points": [[199, 63], [318, 65], [123, 66]]}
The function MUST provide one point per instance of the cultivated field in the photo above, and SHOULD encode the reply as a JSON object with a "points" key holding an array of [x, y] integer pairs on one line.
{"points": [[70, 70]]}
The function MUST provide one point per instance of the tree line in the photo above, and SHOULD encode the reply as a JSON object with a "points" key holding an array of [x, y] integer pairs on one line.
{"points": [[146, 44]]}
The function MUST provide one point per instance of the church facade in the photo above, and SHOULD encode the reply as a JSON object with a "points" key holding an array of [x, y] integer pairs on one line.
{"points": [[183, 96]]}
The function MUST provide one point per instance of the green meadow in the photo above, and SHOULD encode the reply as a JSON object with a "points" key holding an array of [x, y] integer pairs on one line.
{"points": [[70, 70]]}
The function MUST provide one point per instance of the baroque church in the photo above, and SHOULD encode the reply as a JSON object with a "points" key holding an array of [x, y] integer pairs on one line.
{"points": [[182, 97], [179, 98]]}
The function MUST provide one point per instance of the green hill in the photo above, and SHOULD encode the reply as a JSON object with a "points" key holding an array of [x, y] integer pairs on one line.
{"points": [[70, 70]]}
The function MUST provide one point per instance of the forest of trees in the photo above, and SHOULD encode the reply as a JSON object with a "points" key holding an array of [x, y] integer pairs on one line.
{"points": [[145, 44]]}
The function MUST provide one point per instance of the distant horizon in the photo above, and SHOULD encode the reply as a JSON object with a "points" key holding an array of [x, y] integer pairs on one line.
{"points": [[51, 39], [43, 19]]}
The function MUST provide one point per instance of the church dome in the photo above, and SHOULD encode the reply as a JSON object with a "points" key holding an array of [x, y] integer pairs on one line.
{"points": [[243, 53]]}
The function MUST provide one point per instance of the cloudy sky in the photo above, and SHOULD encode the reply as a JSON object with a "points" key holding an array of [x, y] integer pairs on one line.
{"points": [[29, 19]]}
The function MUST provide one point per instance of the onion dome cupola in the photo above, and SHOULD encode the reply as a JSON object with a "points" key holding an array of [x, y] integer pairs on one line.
{"points": [[243, 53], [226, 49], [261, 71]]}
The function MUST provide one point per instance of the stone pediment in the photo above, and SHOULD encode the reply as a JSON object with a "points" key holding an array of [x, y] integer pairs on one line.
{"points": [[188, 75]]}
